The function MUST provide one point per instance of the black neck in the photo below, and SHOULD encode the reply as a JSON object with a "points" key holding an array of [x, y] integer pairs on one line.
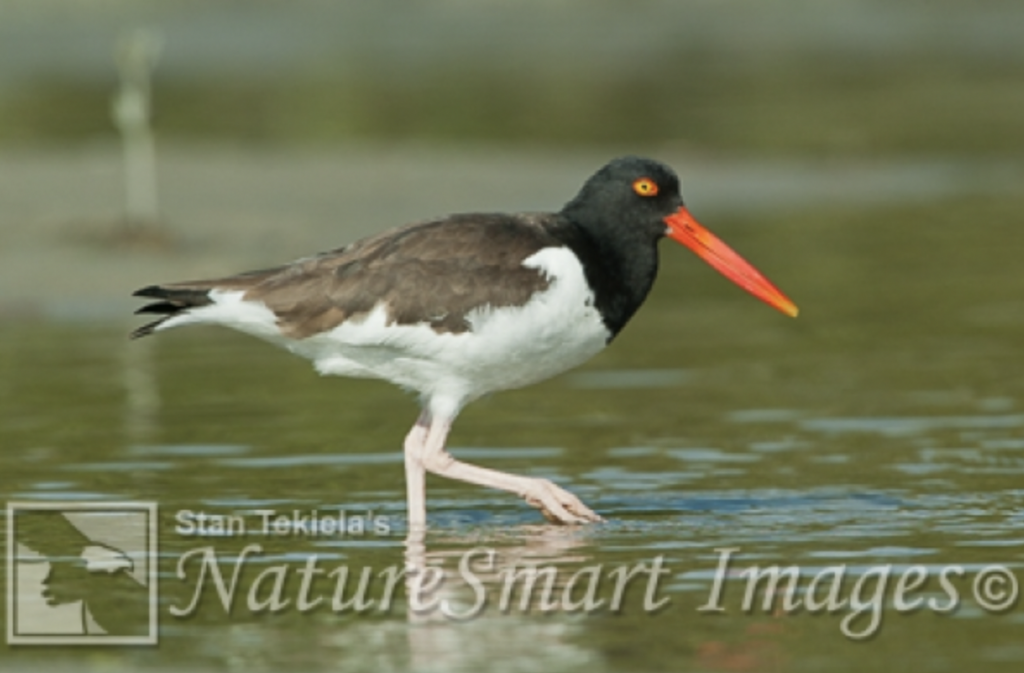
{"points": [[620, 269]]}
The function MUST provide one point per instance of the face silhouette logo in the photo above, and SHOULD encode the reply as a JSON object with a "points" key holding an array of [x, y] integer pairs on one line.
{"points": [[81, 573]]}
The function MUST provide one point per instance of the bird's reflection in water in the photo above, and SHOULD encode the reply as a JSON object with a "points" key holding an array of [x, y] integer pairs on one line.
{"points": [[462, 626]]}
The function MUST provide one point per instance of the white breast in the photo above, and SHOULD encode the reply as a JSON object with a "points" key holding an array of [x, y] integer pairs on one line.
{"points": [[508, 347]]}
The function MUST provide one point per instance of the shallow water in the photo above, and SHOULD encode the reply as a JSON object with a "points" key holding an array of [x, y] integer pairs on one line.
{"points": [[882, 429]]}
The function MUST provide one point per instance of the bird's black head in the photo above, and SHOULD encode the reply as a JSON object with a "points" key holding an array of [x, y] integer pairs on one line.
{"points": [[628, 205], [629, 197]]}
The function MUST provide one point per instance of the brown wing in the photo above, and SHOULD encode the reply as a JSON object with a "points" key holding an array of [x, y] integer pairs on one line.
{"points": [[432, 272]]}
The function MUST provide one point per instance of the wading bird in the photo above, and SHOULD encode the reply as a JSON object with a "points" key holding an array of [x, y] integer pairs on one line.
{"points": [[458, 307]]}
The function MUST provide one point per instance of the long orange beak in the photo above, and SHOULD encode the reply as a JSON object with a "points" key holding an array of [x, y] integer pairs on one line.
{"points": [[686, 230]]}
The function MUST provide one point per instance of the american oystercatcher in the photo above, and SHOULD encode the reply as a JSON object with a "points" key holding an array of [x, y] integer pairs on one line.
{"points": [[458, 307]]}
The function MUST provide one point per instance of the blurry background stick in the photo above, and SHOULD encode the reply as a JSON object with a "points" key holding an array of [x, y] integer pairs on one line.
{"points": [[137, 54]]}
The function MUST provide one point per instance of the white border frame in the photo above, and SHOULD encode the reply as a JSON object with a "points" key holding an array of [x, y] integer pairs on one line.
{"points": [[150, 508]]}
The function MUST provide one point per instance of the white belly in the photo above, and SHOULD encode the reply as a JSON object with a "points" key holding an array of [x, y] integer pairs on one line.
{"points": [[559, 328]]}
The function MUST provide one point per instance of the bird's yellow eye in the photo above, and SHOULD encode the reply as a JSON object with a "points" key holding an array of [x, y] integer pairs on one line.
{"points": [[645, 187]]}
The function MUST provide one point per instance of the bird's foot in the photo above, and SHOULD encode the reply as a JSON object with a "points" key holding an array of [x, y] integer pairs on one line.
{"points": [[558, 505]]}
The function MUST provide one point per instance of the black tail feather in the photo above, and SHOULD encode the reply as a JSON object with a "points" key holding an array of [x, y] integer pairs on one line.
{"points": [[146, 329], [174, 302], [186, 297], [164, 307]]}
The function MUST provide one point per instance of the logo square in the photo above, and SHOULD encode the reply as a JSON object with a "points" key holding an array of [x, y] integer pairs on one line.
{"points": [[81, 573]]}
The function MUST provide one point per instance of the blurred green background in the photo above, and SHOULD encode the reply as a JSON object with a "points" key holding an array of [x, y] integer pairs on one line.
{"points": [[861, 78]]}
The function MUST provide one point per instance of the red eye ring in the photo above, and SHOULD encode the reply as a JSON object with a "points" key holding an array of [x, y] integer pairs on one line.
{"points": [[645, 187]]}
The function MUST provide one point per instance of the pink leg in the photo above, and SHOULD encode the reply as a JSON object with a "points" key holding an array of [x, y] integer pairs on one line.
{"points": [[557, 504], [415, 476]]}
